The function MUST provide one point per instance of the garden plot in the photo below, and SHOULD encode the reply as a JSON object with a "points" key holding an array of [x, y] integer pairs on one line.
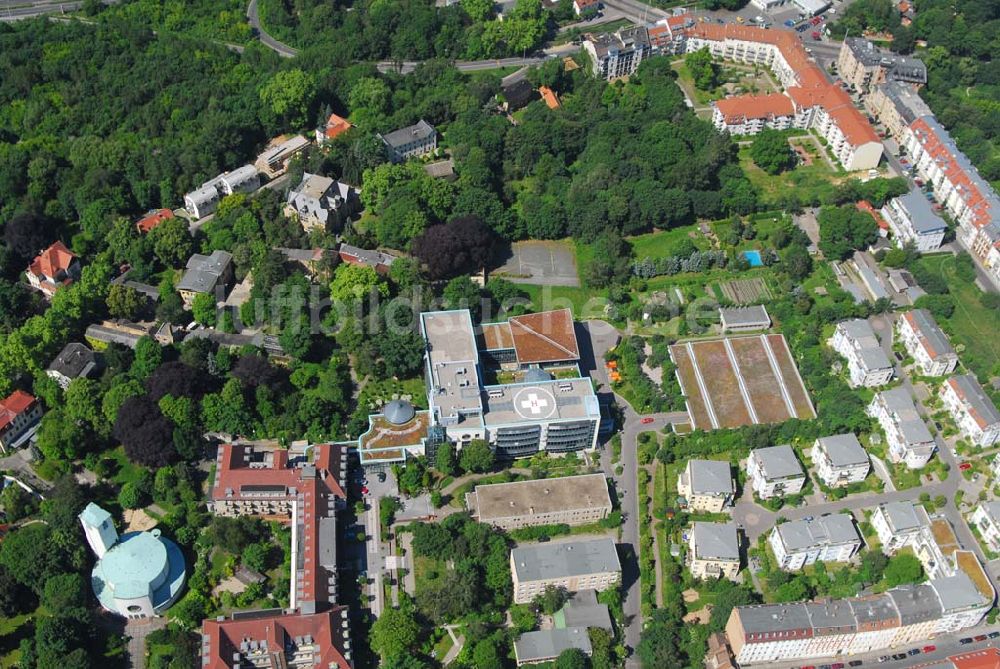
{"points": [[746, 291]]}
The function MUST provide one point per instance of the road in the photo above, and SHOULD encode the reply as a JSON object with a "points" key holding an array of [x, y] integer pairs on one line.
{"points": [[946, 646], [282, 49], [15, 10], [407, 66]]}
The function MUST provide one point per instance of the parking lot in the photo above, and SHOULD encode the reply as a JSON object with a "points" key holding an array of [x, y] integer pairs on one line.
{"points": [[545, 263]]}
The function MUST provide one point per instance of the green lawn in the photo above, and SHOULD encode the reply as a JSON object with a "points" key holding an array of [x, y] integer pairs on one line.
{"points": [[810, 182], [972, 327], [667, 242]]}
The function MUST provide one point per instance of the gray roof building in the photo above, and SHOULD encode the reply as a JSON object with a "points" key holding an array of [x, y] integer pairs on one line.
{"points": [[715, 541], [868, 347], [744, 318], [710, 477], [917, 603], [907, 102], [420, 131], [546, 645], [777, 462], [921, 214], [844, 450], [905, 516], [73, 362], [583, 610], [559, 560], [800, 535], [897, 68], [204, 272], [977, 403], [322, 201], [911, 425]]}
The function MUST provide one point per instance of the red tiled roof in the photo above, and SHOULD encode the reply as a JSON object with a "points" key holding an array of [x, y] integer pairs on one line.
{"points": [[583, 4], [283, 633], [987, 658], [939, 151], [234, 471], [812, 90], [13, 405], [336, 125], [153, 219], [755, 106], [550, 97], [866, 206], [548, 336], [53, 260], [904, 7]]}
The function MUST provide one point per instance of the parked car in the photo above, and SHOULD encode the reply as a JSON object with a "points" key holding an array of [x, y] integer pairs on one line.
{"points": [[790, 23], [993, 635], [966, 641], [884, 658], [381, 477], [913, 651], [647, 420], [929, 649], [817, 20], [364, 490], [837, 665], [855, 663], [802, 28], [981, 637], [899, 656], [965, 466], [815, 35]]}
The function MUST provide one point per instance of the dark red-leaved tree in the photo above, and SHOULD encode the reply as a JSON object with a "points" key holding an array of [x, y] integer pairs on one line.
{"points": [[461, 246], [145, 432]]}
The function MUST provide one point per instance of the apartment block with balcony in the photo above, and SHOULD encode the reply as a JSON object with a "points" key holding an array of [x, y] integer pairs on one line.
{"points": [[864, 65], [867, 364], [912, 221], [986, 519], [840, 460], [775, 472], [706, 485], [617, 54], [926, 343], [19, 413], [909, 440], [799, 543], [714, 551], [974, 412]]}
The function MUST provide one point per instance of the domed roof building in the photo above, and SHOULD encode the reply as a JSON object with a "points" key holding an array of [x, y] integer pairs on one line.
{"points": [[398, 412], [137, 575]]}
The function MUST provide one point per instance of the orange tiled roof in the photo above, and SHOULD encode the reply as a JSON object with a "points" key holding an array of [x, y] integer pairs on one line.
{"points": [[336, 125], [770, 105], [550, 97], [812, 90], [14, 405], [153, 219], [224, 639], [866, 206], [987, 658], [53, 260], [904, 7]]}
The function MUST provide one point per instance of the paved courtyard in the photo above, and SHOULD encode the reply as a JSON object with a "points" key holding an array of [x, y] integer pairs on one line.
{"points": [[545, 263]]}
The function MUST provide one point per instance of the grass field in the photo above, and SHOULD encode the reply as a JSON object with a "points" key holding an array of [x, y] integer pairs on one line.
{"points": [[810, 182], [972, 327], [667, 242]]}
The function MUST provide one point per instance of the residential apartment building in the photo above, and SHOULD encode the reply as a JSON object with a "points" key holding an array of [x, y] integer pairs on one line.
{"points": [[19, 412], [957, 185], [706, 485], [897, 524], [863, 65], [896, 105], [305, 484], [867, 363], [52, 269], [205, 199], [799, 543], [412, 141], [75, 361], [909, 440], [974, 412], [840, 460], [817, 103], [926, 342], [912, 221], [573, 566], [775, 472], [617, 54], [986, 519], [206, 275], [277, 155], [844, 628], [320, 202], [570, 500], [273, 639], [744, 319], [714, 551], [546, 645], [749, 114]]}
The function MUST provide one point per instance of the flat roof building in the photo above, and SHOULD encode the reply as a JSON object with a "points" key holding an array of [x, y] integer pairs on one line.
{"points": [[546, 645], [912, 221], [570, 500], [571, 565]]}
